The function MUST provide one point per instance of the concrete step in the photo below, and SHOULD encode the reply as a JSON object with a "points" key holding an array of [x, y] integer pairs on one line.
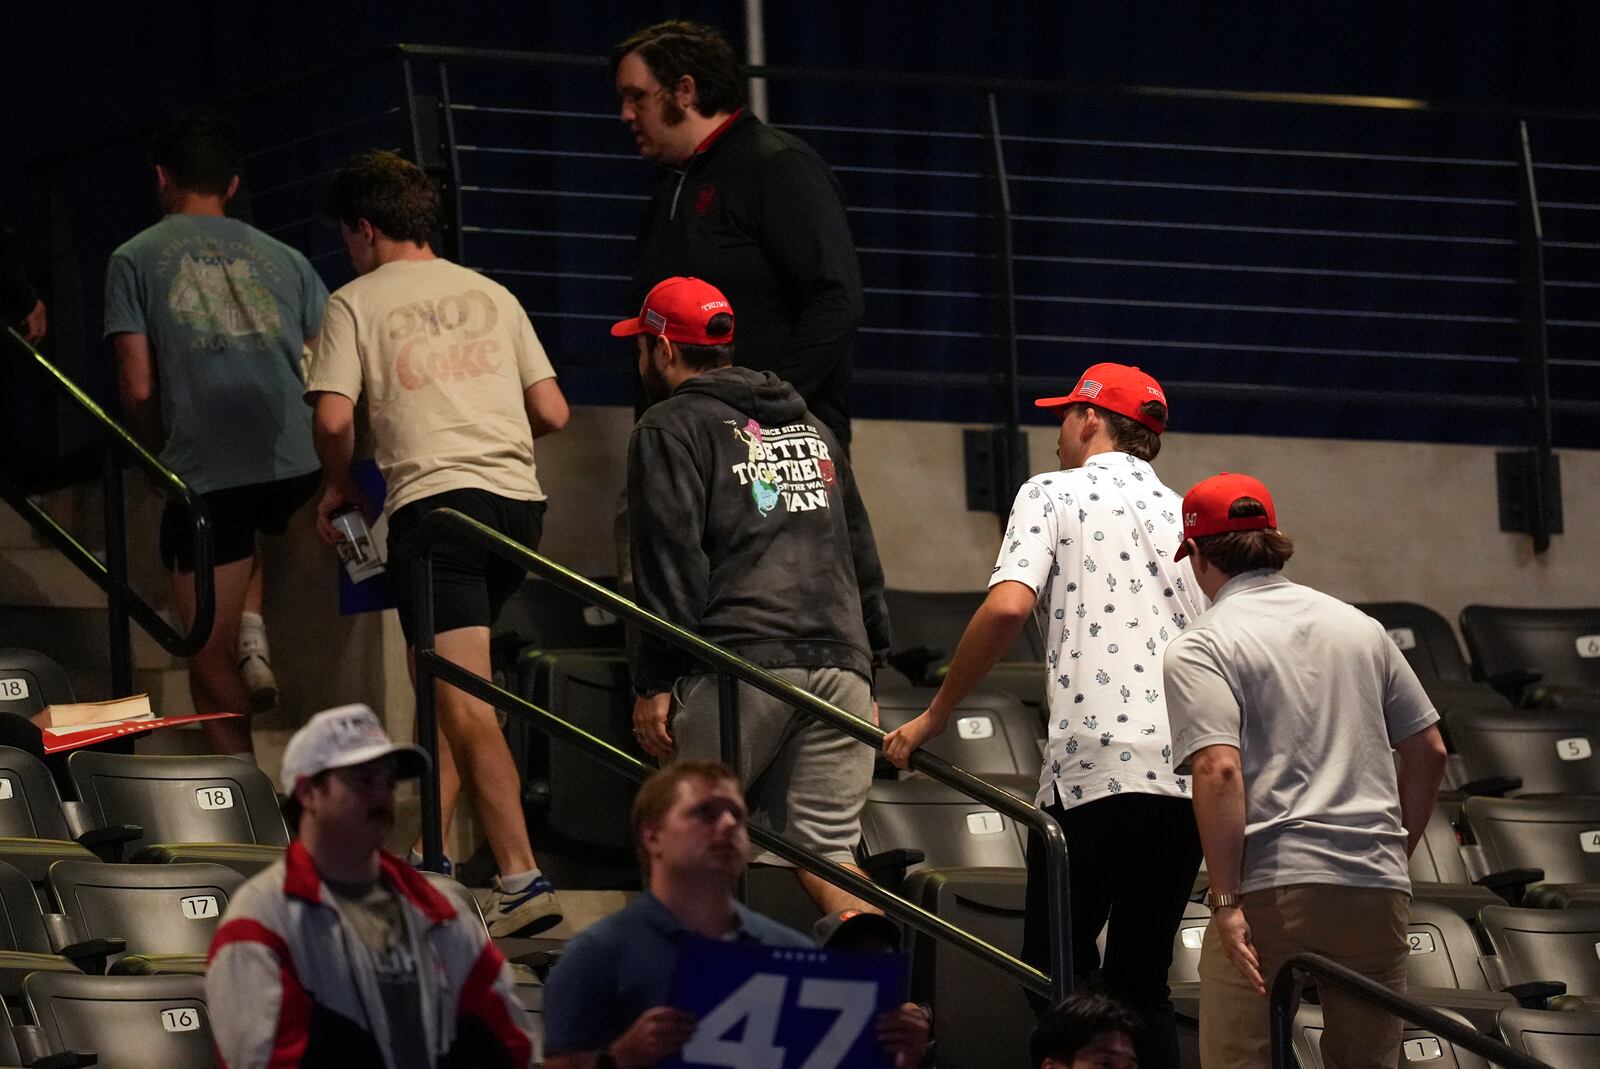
{"points": [[76, 638]]}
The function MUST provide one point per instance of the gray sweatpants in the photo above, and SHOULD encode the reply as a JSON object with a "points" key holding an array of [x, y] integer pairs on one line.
{"points": [[801, 778]]}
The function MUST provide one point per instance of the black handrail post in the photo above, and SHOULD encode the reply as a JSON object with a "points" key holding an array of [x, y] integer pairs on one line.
{"points": [[116, 529], [1058, 909], [1530, 482], [427, 717], [728, 721], [452, 163], [1280, 1016], [413, 125]]}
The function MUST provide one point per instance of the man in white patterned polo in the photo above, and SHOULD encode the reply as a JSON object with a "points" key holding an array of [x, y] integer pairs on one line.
{"points": [[1088, 550]]}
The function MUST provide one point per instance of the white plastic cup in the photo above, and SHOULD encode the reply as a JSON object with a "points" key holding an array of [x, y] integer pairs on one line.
{"points": [[355, 545]]}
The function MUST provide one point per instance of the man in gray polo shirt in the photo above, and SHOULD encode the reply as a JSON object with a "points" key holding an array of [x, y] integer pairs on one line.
{"points": [[1286, 703]]}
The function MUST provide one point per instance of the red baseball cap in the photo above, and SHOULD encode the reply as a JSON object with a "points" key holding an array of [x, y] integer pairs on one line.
{"points": [[1117, 388], [679, 309], [1206, 505]]}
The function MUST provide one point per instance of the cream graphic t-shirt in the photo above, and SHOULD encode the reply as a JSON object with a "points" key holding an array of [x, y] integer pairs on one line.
{"points": [[443, 356]]}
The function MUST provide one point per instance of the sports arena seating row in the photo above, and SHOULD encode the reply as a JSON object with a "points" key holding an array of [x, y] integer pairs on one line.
{"points": [[111, 886]]}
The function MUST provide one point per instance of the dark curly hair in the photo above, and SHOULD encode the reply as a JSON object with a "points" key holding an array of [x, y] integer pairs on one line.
{"points": [[1069, 1027], [388, 191], [677, 47], [200, 150]]}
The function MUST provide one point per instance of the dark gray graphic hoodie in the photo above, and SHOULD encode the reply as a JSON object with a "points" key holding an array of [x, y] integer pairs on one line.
{"points": [[747, 529]]}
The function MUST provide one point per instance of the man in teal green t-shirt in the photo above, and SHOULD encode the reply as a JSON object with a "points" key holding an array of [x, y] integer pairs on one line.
{"points": [[209, 318]]}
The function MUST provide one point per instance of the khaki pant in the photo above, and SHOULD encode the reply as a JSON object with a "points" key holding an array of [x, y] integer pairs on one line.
{"points": [[1361, 928]]}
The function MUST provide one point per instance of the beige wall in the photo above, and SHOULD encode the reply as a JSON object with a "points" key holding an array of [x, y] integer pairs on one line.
{"points": [[1373, 521]]}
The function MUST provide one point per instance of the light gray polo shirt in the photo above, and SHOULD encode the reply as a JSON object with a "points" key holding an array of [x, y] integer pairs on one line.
{"points": [[1314, 695]]}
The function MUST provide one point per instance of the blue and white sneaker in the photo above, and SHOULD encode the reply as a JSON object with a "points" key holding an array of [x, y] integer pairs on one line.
{"points": [[532, 910], [414, 859]]}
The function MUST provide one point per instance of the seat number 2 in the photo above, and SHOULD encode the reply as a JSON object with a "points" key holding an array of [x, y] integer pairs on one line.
{"points": [[214, 797]]}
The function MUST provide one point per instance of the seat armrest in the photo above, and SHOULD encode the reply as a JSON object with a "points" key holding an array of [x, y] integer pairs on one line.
{"points": [[1490, 786], [1535, 994], [1510, 883], [36, 1052], [107, 842], [90, 954], [889, 867]]}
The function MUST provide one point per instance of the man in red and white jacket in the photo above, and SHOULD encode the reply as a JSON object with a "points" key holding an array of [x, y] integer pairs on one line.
{"points": [[344, 955]]}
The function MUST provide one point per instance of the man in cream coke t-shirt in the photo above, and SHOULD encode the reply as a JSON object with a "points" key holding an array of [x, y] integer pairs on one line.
{"points": [[457, 388]]}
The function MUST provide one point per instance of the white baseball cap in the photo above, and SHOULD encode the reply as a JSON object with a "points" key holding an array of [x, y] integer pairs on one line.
{"points": [[344, 736]]}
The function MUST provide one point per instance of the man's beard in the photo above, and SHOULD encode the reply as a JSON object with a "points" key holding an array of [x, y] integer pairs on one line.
{"points": [[655, 383]]}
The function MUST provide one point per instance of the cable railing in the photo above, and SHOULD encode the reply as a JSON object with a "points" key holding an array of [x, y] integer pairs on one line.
{"points": [[111, 575], [448, 525], [1286, 986]]}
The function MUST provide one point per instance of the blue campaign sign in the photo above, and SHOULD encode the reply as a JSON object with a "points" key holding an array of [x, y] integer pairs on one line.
{"points": [[783, 1007]]}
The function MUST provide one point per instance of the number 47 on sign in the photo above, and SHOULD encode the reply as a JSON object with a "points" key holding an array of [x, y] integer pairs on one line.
{"points": [[782, 1007]]}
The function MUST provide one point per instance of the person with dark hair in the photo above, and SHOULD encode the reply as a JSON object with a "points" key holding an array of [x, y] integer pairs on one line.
{"points": [[1086, 552], [209, 318], [605, 1001], [1086, 1032], [747, 529], [20, 307], [749, 208], [457, 387], [342, 953], [1287, 704]]}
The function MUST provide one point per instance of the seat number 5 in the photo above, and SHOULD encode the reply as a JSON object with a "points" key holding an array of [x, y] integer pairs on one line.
{"points": [[753, 1010]]}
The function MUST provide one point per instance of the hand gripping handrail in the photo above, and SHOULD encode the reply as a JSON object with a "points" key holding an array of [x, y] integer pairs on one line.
{"points": [[1287, 983], [449, 525], [111, 575]]}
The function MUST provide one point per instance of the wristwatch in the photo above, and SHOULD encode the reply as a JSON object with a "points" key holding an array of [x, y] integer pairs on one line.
{"points": [[1215, 902]]}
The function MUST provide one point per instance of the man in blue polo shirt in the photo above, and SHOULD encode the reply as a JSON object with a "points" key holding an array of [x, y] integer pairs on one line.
{"points": [[605, 1003]]}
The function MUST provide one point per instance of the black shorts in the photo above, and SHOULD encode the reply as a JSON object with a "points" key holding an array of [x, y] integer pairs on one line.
{"points": [[236, 513], [470, 587]]}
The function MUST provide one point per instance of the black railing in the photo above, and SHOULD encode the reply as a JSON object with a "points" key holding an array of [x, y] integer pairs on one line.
{"points": [[446, 525], [111, 575], [1286, 986]]}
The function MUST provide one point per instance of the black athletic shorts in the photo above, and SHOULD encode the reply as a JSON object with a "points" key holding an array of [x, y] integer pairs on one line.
{"points": [[470, 587], [236, 513]]}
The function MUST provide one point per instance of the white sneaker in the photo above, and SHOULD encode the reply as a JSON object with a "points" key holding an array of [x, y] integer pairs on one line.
{"points": [[532, 910], [259, 682]]}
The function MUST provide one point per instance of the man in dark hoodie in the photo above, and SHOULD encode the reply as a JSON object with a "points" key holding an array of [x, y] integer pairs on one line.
{"points": [[750, 209], [747, 530]]}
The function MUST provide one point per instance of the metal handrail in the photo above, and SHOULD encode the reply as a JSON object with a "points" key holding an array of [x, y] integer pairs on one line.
{"points": [[111, 575], [448, 524], [1287, 983]]}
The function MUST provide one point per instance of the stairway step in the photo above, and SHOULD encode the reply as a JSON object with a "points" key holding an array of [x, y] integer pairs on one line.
{"points": [[43, 578], [15, 533]]}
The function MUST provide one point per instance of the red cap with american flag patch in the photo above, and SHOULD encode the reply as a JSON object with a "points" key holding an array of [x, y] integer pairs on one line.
{"points": [[681, 309], [1117, 388]]}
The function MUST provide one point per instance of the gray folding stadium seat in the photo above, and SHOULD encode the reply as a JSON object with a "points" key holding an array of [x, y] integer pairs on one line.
{"points": [[928, 627], [164, 915], [1419, 1048], [990, 734], [546, 617], [33, 940], [1538, 946], [1438, 873], [29, 681], [980, 1016], [915, 823], [1534, 851], [1424, 637], [35, 829], [1552, 751], [1569, 1040], [128, 1022], [209, 808], [1510, 646], [582, 804], [1444, 968]]}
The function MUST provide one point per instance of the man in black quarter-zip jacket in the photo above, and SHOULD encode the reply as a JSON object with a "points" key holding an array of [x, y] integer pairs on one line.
{"points": [[750, 209]]}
